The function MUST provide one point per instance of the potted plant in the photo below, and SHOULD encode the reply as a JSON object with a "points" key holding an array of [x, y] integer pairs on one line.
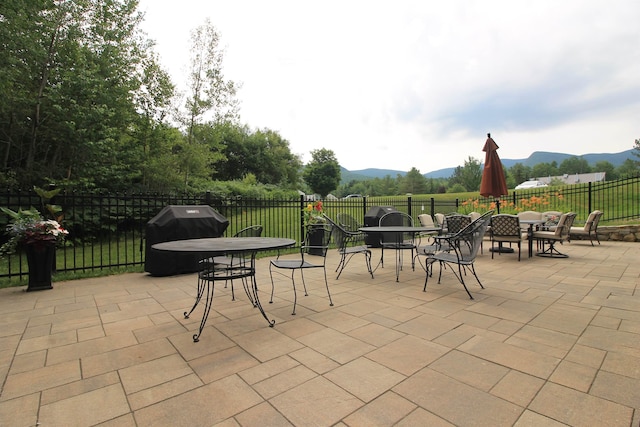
{"points": [[37, 237], [314, 222]]}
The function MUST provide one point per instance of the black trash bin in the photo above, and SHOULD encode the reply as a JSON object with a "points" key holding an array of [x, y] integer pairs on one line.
{"points": [[372, 219], [179, 222]]}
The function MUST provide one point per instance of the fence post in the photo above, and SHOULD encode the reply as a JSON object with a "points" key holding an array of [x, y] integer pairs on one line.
{"points": [[301, 210], [589, 198], [364, 206], [433, 207], [409, 205]]}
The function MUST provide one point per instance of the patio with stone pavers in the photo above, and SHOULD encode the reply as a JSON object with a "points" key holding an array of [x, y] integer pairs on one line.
{"points": [[547, 342]]}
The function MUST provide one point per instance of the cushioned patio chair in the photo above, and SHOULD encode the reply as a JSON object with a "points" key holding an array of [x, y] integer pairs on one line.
{"points": [[590, 228], [427, 221], [551, 238], [440, 220], [348, 246], [551, 219], [305, 260]]}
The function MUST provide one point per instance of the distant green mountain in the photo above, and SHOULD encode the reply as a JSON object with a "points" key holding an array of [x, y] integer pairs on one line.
{"points": [[616, 159]]}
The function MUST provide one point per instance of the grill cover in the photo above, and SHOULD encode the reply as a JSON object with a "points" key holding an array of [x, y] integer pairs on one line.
{"points": [[372, 219], [179, 222]]}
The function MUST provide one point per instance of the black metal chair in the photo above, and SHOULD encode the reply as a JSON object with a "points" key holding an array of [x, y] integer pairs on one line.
{"points": [[348, 222], [347, 243], [317, 239], [241, 267], [227, 268], [462, 251], [399, 242], [222, 262]]}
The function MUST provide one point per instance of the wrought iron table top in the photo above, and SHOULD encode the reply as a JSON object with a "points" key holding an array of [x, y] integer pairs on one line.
{"points": [[215, 245], [398, 229]]}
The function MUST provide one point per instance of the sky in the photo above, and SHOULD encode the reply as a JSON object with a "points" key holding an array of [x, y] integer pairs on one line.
{"points": [[419, 84]]}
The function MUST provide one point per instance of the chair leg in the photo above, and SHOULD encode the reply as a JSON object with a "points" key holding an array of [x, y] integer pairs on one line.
{"points": [[341, 265], [367, 257], [552, 252], [326, 284]]}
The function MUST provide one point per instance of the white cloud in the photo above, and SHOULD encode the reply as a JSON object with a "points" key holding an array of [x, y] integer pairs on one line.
{"points": [[419, 84]]}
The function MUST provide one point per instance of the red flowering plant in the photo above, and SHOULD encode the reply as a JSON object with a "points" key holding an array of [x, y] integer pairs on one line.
{"points": [[313, 213], [28, 227]]}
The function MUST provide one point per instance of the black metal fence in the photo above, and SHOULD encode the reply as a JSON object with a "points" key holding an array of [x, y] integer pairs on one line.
{"points": [[107, 231]]}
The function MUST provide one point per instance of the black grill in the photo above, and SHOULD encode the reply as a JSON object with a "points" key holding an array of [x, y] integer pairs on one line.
{"points": [[178, 223], [372, 219]]}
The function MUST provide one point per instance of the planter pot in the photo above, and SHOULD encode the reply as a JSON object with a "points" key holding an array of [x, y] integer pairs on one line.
{"points": [[314, 238], [40, 258]]}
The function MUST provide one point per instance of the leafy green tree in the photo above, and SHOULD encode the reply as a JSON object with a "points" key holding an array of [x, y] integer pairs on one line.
{"points": [[413, 182], [263, 153], [544, 169], [322, 173], [636, 149], [70, 73], [385, 186], [628, 168], [209, 94], [520, 173], [209, 91], [607, 168], [574, 165], [468, 176]]}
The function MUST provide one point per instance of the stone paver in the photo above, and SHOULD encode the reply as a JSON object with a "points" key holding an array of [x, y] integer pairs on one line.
{"points": [[548, 342]]}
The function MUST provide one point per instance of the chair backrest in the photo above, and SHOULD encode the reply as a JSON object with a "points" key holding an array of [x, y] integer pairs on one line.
{"points": [[468, 241], [426, 220], [505, 225], [474, 215], [564, 225], [251, 231], [341, 236], [457, 222], [396, 218], [348, 222], [592, 221], [317, 239], [528, 215], [440, 219]]}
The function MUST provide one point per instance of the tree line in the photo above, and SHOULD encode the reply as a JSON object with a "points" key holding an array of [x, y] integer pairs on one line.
{"points": [[87, 106], [468, 177]]}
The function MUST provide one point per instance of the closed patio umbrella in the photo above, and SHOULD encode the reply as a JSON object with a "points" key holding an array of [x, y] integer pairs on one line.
{"points": [[493, 182]]}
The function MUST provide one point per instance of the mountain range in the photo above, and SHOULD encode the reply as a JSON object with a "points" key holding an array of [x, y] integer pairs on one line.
{"points": [[616, 159]]}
